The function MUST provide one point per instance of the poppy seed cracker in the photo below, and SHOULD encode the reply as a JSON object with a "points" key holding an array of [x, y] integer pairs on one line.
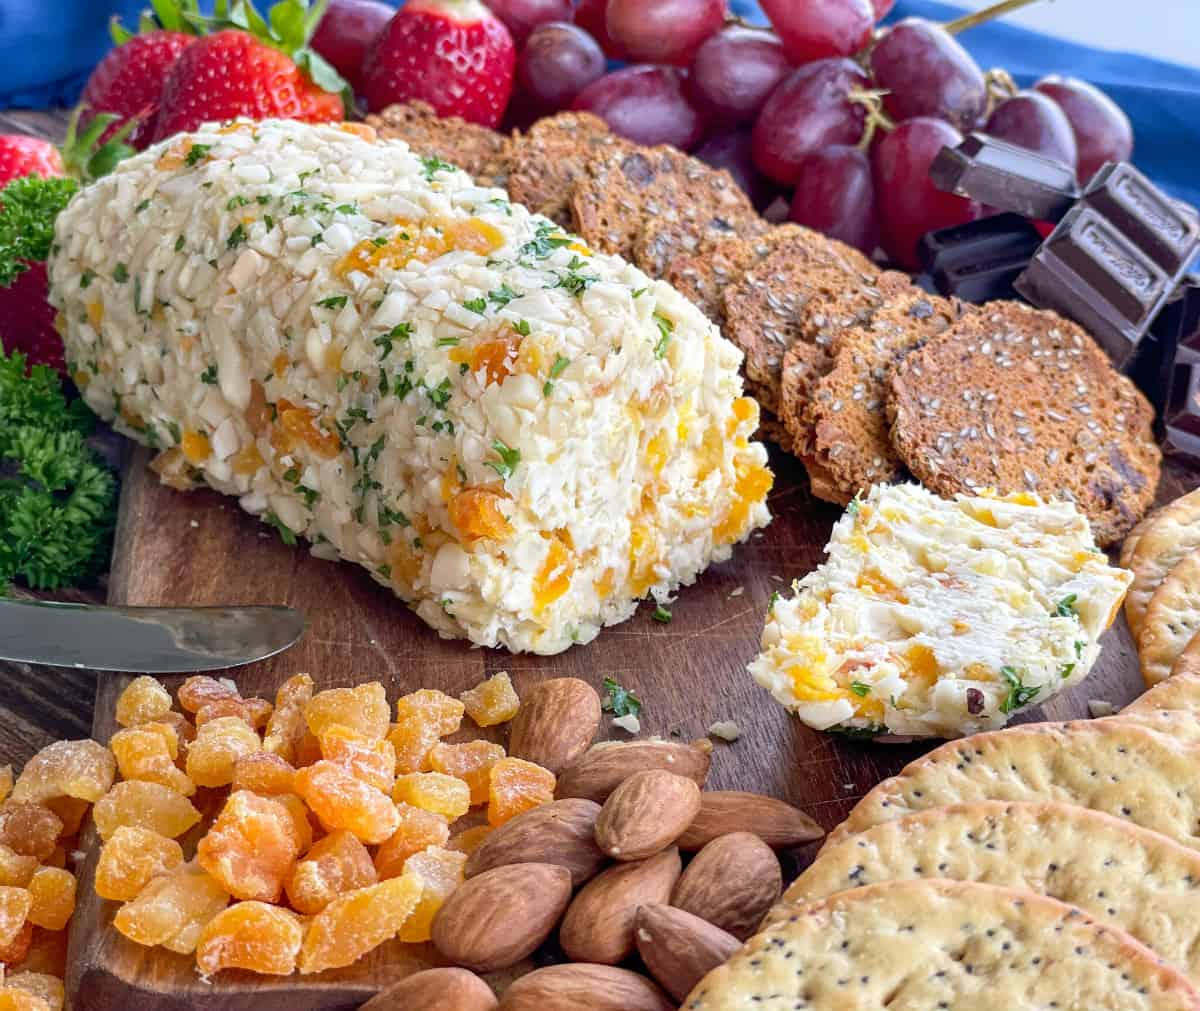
{"points": [[481, 153]]}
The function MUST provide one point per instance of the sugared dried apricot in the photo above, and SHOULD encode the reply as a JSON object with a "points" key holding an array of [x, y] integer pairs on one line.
{"points": [[251, 847], [197, 692], [441, 711], [17, 950], [173, 909], [412, 739], [19, 1000], [342, 801], [148, 752], [308, 750], [52, 892], [355, 923], [364, 709], [251, 935], [253, 712], [469, 839], [47, 952], [286, 727], [41, 985], [517, 786], [130, 859], [16, 868], [71, 811], [440, 872], [6, 782], [144, 805], [82, 769], [493, 702], [337, 864], [434, 791], [29, 829], [371, 760], [58, 858], [265, 773], [144, 700], [471, 762], [303, 820], [15, 904], [219, 744], [418, 830]]}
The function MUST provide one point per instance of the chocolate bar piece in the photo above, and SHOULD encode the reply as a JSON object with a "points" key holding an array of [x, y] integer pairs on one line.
{"points": [[1006, 177], [978, 261], [1181, 410]]}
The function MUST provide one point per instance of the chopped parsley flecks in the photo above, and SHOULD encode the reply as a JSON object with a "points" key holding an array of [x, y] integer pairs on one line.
{"points": [[502, 295], [237, 201], [440, 394], [86, 278], [521, 326], [860, 688], [661, 615], [665, 329], [556, 370], [854, 505], [121, 274], [1065, 608], [621, 701], [334, 302], [640, 292], [142, 206], [776, 596], [545, 242], [1019, 694], [509, 458], [433, 165], [478, 305], [379, 241], [347, 208], [179, 241], [448, 342], [286, 533], [195, 153], [573, 281], [176, 433], [400, 332], [236, 237], [392, 517]]}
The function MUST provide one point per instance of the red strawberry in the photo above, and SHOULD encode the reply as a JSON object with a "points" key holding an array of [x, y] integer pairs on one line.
{"points": [[28, 320], [454, 54], [26, 156]]}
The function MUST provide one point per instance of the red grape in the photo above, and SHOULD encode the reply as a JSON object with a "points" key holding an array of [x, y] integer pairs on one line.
{"points": [[731, 151], [521, 17], [882, 8], [645, 104], [663, 31], [1102, 131], [345, 32], [559, 60], [1031, 120], [928, 73], [592, 17], [815, 29], [735, 71], [836, 195], [909, 204], [810, 110]]}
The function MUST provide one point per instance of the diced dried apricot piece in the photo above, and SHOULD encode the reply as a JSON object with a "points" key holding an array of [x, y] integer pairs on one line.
{"points": [[286, 727], [371, 760], [440, 872], [29, 829], [148, 752], [471, 762], [342, 801], [418, 830], [265, 773], [412, 739], [434, 791], [251, 847], [52, 892], [173, 909], [130, 859], [144, 805], [337, 864], [17, 950], [493, 702], [46, 953], [517, 786], [469, 839], [58, 858], [364, 709], [253, 936], [197, 692], [308, 750], [253, 712], [355, 923], [303, 820], [6, 782], [19, 1000], [16, 868], [82, 769], [443, 712], [70, 811], [41, 985], [144, 700], [15, 904], [217, 748]]}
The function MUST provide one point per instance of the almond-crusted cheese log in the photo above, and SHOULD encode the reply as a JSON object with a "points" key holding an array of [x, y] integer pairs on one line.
{"points": [[517, 436]]}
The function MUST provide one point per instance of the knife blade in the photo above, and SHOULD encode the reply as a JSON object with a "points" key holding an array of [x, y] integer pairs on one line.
{"points": [[156, 640]]}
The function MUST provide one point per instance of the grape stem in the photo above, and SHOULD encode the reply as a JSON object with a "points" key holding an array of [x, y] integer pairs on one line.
{"points": [[987, 14], [876, 118]]}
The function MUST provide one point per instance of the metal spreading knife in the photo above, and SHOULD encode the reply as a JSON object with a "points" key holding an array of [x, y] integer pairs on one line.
{"points": [[157, 640]]}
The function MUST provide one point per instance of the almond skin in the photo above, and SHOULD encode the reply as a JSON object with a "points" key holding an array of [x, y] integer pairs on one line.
{"points": [[604, 767], [498, 918], [645, 814], [584, 988], [435, 990], [598, 926], [556, 723], [562, 833], [731, 883], [680, 949], [776, 823]]}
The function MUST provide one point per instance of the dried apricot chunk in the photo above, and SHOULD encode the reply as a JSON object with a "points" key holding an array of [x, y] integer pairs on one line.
{"points": [[46, 953], [364, 709], [144, 700], [82, 769], [337, 864], [41, 985], [6, 782], [70, 811], [130, 859], [371, 760], [492, 702], [517, 786], [15, 904], [286, 726], [253, 712], [265, 773], [418, 830], [16, 868], [52, 892], [17, 950], [308, 750], [218, 746], [148, 752], [342, 801], [253, 936], [58, 858], [173, 909], [29, 829], [440, 872], [469, 839], [144, 805], [471, 762], [20, 1000], [357, 922], [303, 819], [251, 847], [412, 739], [434, 791], [441, 711], [198, 691]]}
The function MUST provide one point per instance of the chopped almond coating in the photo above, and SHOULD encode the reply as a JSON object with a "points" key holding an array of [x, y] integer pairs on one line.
{"points": [[17, 950], [493, 702], [144, 700], [15, 904], [364, 709], [21, 1000], [253, 936], [197, 692], [82, 769], [214, 753], [29, 829], [148, 752], [286, 727], [252, 846], [358, 922], [173, 909], [469, 839], [418, 830], [6, 782], [52, 892], [440, 872], [471, 762], [342, 801], [144, 805], [337, 864], [70, 811], [371, 760], [130, 859], [443, 712], [265, 773], [434, 791], [15, 868], [39, 984], [412, 739], [253, 712], [517, 786]]}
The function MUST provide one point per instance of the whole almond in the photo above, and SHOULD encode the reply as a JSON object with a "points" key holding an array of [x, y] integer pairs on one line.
{"points": [[598, 926], [723, 811], [680, 949], [556, 723], [584, 988], [435, 990], [731, 883], [494, 920], [562, 833], [604, 767], [645, 814]]}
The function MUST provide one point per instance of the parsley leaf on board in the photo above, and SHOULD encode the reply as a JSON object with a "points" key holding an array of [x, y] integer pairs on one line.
{"points": [[29, 207], [621, 701]]}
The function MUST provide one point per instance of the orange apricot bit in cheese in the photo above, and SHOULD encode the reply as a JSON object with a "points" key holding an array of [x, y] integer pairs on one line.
{"points": [[553, 579], [751, 484], [476, 513], [473, 235], [196, 447], [495, 355], [300, 425], [251, 935]]}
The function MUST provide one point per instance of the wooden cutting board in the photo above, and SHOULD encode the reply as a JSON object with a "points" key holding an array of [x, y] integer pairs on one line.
{"points": [[200, 548]]}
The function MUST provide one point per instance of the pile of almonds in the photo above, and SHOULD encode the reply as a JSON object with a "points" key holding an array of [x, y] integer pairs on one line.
{"points": [[602, 863]]}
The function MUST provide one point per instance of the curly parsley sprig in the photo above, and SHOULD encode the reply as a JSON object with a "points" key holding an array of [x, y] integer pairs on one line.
{"points": [[28, 208]]}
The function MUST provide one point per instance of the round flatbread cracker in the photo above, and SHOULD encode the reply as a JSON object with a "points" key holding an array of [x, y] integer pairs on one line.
{"points": [[1181, 691], [1172, 618], [1131, 540], [950, 945], [1167, 536]]}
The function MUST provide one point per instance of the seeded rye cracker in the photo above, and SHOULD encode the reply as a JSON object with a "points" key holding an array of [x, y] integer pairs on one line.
{"points": [[478, 151], [685, 229], [1171, 620], [949, 945], [1014, 398], [1167, 536]]}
